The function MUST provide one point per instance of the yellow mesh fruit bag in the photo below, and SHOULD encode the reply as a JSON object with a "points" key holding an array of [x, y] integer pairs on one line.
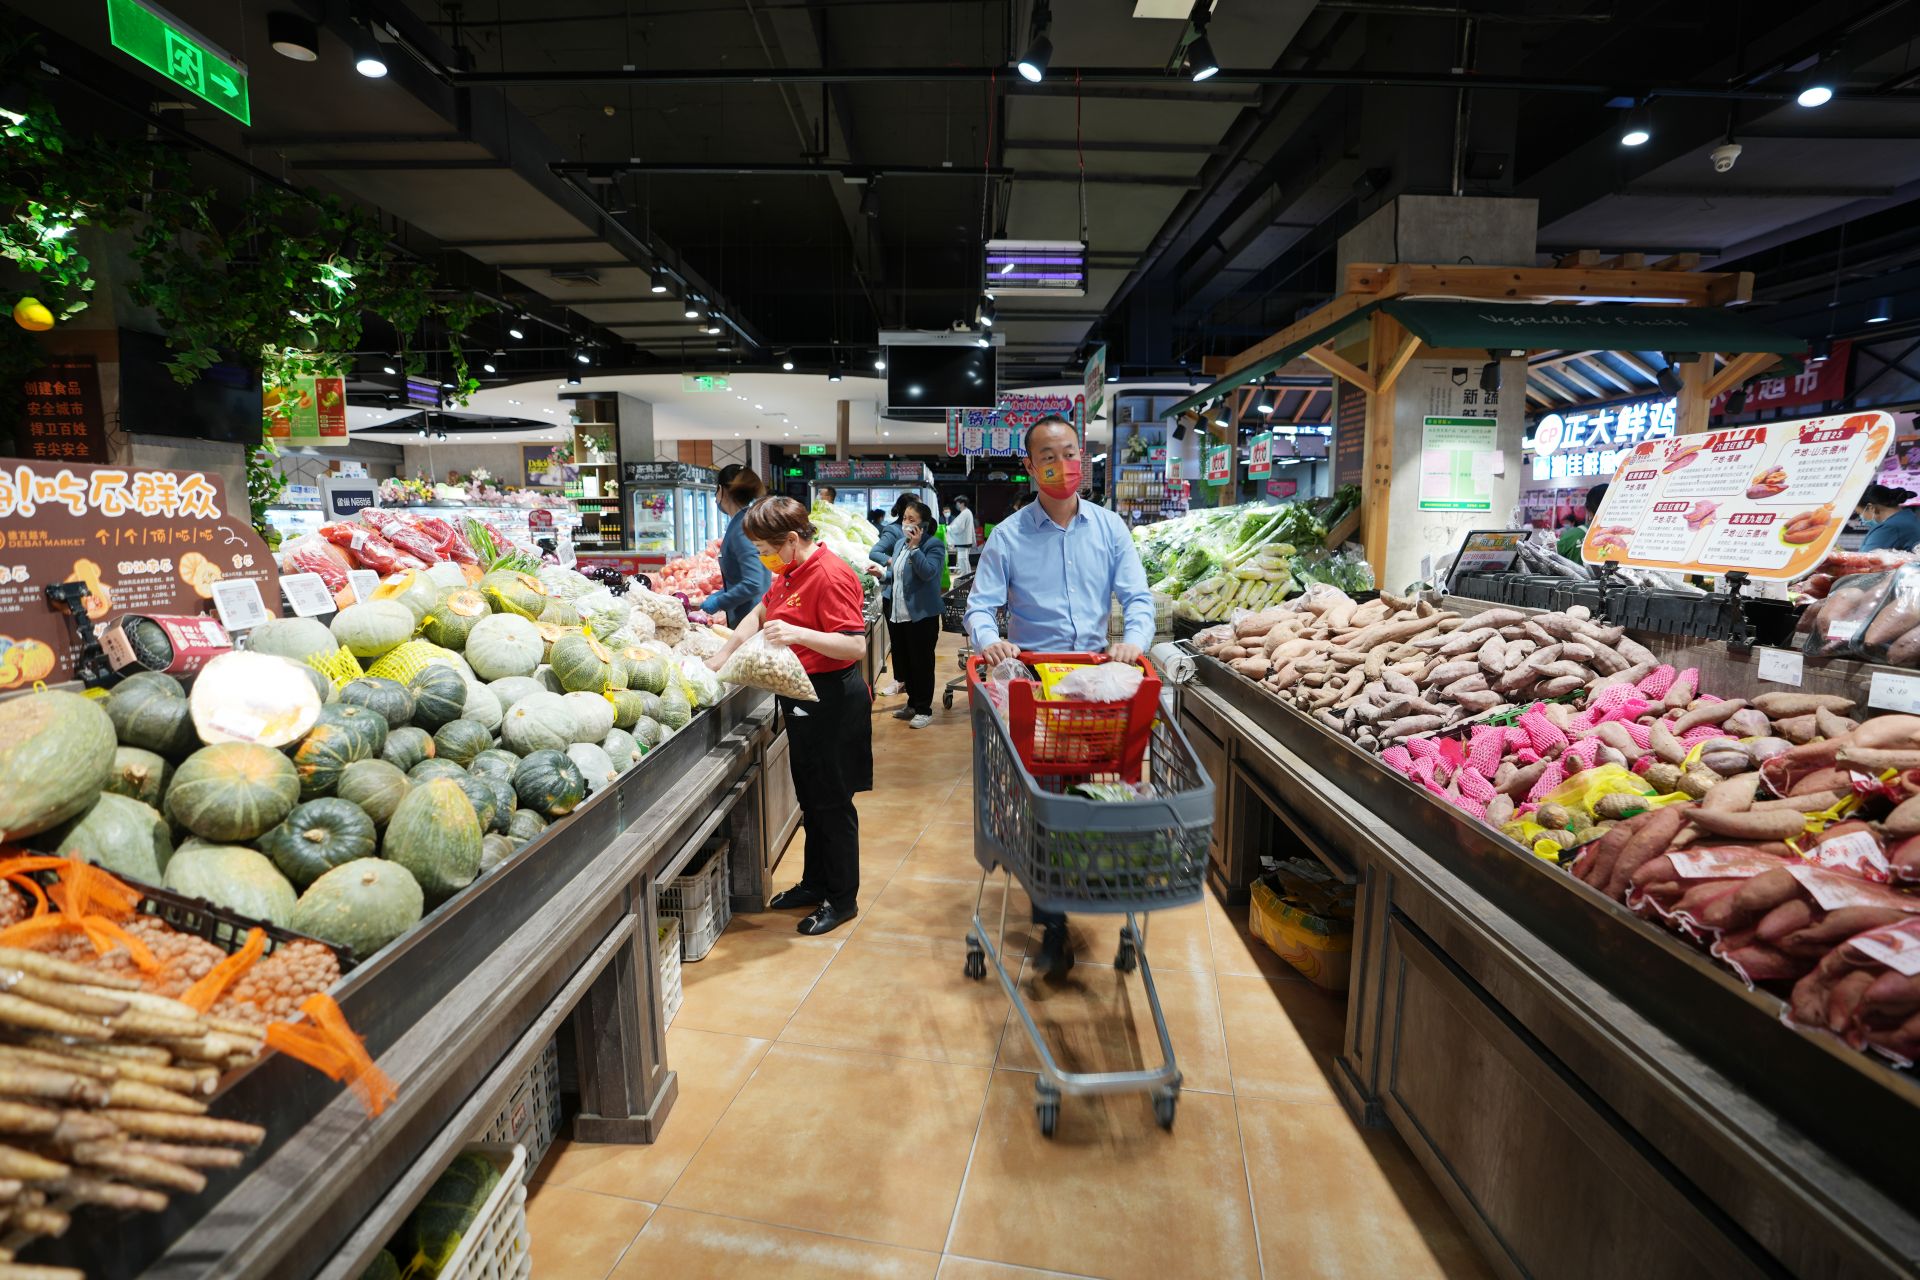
{"points": [[340, 666], [404, 663]]}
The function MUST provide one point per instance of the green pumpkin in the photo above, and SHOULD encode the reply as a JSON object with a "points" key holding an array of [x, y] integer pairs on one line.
{"points": [[525, 825], [627, 707], [384, 1266], [237, 879], [232, 791], [377, 786], [495, 849], [435, 834], [407, 747], [150, 710], [481, 795], [439, 693], [140, 775], [549, 783], [377, 693], [329, 747], [360, 905], [428, 769], [515, 593], [675, 711], [319, 836], [483, 705], [645, 671], [56, 756], [368, 726], [431, 1235], [412, 588], [504, 645], [301, 639], [649, 733], [513, 688], [548, 681], [623, 749], [452, 620], [125, 836], [460, 741], [543, 720], [592, 715], [594, 766], [580, 664], [373, 628], [504, 802], [494, 763]]}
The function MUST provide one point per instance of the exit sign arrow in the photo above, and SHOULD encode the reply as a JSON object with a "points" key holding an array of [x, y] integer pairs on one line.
{"points": [[155, 38]]}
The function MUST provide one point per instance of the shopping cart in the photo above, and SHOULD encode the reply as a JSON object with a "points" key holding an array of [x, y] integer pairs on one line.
{"points": [[953, 618], [1080, 855]]}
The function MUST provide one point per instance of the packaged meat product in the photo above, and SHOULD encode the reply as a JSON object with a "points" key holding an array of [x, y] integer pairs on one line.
{"points": [[404, 536], [313, 554], [1838, 625]]}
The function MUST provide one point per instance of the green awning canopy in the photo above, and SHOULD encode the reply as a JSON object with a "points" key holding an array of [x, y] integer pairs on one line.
{"points": [[1537, 327]]}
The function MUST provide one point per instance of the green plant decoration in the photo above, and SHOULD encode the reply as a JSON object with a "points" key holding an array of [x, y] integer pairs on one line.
{"points": [[265, 486]]}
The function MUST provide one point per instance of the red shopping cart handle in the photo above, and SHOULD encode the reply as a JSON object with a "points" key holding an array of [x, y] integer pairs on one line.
{"points": [[976, 664]]}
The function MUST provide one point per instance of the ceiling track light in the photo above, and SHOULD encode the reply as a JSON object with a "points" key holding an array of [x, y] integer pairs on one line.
{"points": [[787, 364], [368, 60], [1882, 311], [657, 281], [1814, 93], [985, 313], [293, 35], [880, 364], [1033, 63], [1201, 64], [1637, 131]]}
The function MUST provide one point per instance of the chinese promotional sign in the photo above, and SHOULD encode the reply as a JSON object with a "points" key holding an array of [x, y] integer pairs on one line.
{"points": [[1260, 457], [1765, 500], [63, 416], [308, 411], [1002, 432]]}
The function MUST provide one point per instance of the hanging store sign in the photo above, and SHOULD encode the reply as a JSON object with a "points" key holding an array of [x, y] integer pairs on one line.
{"points": [[1592, 442], [345, 497], [149, 34], [62, 415], [1766, 500], [137, 541], [1817, 383], [308, 411], [1219, 464], [1094, 384], [1282, 488], [1002, 432], [1260, 457]]}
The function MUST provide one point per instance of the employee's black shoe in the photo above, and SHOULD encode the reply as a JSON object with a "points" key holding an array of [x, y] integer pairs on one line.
{"points": [[798, 896], [826, 918], [1055, 956]]}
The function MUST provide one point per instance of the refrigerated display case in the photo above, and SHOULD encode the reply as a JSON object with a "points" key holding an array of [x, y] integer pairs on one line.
{"points": [[860, 487], [671, 507]]}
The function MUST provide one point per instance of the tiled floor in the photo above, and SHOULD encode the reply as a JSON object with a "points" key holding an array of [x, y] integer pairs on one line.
{"points": [[853, 1107]]}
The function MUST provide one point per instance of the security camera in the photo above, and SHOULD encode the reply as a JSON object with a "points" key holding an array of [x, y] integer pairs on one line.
{"points": [[1724, 156]]}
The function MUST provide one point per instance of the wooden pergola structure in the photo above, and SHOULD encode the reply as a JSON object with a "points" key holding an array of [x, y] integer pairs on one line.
{"points": [[1714, 351]]}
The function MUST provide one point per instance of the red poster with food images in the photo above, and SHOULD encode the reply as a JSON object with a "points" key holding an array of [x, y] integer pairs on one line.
{"points": [[1763, 500]]}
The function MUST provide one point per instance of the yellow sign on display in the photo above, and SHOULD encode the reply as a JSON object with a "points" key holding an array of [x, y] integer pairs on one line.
{"points": [[1765, 500]]}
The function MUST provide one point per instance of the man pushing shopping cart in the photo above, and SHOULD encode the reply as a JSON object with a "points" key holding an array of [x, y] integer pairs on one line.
{"points": [[1093, 804]]}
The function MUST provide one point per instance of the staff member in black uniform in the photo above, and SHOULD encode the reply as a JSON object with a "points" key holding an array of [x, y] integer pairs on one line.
{"points": [[815, 608]]}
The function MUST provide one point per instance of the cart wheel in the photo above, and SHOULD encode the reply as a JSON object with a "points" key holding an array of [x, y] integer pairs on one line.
{"points": [[1049, 1115], [1163, 1108], [946, 700], [976, 963], [1125, 958]]}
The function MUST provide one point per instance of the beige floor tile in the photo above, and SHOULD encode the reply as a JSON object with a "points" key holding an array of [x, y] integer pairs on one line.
{"points": [[852, 1144], [903, 997], [1340, 1203], [700, 1246], [940, 909], [753, 979], [1098, 1019], [1235, 948], [578, 1235], [711, 1068], [944, 849], [1282, 1037], [1175, 939], [1110, 1194], [954, 1268]]}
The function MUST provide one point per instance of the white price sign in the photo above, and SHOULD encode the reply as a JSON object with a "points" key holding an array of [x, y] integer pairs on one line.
{"points": [[307, 594], [364, 582], [1782, 666], [238, 602], [1890, 692]]}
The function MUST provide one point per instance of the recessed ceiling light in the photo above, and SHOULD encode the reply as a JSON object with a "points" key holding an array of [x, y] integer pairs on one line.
{"points": [[1814, 95], [762, 408], [513, 402], [880, 363], [787, 365], [488, 366], [515, 332], [387, 368], [293, 35]]}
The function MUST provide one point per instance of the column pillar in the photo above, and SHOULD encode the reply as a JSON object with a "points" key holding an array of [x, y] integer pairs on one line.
{"points": [[843, 429]]}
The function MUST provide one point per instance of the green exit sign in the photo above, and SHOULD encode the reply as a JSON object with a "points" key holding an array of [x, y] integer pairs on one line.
{"points": [[814, 450], [149, 34], [703, 382], [793, 472]]}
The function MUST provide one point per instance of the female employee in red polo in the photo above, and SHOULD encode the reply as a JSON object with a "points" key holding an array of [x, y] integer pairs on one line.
{"points": [[814, 606]]}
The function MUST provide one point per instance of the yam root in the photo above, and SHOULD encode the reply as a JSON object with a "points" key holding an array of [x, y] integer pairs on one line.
{"points": [[170, 1127], [1778, 705]]}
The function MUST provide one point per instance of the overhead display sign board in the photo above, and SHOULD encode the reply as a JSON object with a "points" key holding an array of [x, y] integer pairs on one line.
{"points": [[149, 34], [1763, 500], [1002, 432]]}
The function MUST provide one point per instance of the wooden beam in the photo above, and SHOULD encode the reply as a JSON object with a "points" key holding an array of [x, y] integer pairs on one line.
{"points": [[1738, 370], [1633, 361], [1677, 262], [1581, 380], [1306, 401], [1592, 361], [1535, 393], [1574, 284], [1342, 369], [1690, 411], [1383, 380], [1624, 262], [1211, 366], [1577, 258], [1730, 289], [1382, 279], [1305, 327], [1547, 384], [1377, 462]]}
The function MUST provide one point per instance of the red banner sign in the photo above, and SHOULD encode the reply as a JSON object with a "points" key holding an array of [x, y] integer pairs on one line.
{"points": [[1815, 384]]}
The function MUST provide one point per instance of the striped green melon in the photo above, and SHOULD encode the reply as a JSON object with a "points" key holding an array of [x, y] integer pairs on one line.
{"points": [[377, 786], [450, 622], [238, 879], [514, 593], [431, 1235], [150, 710], [460, 741], [125, 836], [232, 791], [549, 783], [504, 645], [319, 836], [373, 627], [56, 755], [140, 775], [296, 638], [360, 905], [377, 693], [542, 720], [435, 834], [407, 747], [439, 694], [526, 824]]}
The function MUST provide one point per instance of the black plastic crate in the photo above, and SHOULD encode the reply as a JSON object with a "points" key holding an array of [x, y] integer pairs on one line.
{"points": [[210, 922]]}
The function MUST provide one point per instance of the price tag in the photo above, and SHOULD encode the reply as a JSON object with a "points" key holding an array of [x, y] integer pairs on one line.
{"points": [[363, 583], [1782, 666], [307, 594], [1847, 629], [239, 604], [1890, 692]]}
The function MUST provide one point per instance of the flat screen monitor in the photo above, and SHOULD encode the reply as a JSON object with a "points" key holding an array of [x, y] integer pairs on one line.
{"points": [[223, 403], [942, 377]]}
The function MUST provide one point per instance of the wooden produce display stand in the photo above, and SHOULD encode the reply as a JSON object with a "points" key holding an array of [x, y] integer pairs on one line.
{"points": [[1592, 1096]]}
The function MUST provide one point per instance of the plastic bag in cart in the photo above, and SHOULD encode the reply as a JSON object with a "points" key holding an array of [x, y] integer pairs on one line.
{"points": [[1004, 673], [1100, 682], [775, 667]]}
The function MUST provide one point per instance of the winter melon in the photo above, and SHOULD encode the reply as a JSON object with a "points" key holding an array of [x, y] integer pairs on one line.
{"points": [[592, 715], [317, 837], [376, 693], [452, 620], [140, 775], [580, 663], [125, 836], [235, 878], [513, 688], [361, 905], [150, 710], [593, 764], [232, 791], [296, 638], [431, 1235], [439, 694], [435, 834], [504, 644], [549, 783], [460, 741], [407, 747], [373, 627], [515, 593], [541, 720], [56, 755], [377, 786]]}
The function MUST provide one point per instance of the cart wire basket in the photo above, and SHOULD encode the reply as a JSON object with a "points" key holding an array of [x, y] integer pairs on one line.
{"points": [[1073, 853], [953, 619]]}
